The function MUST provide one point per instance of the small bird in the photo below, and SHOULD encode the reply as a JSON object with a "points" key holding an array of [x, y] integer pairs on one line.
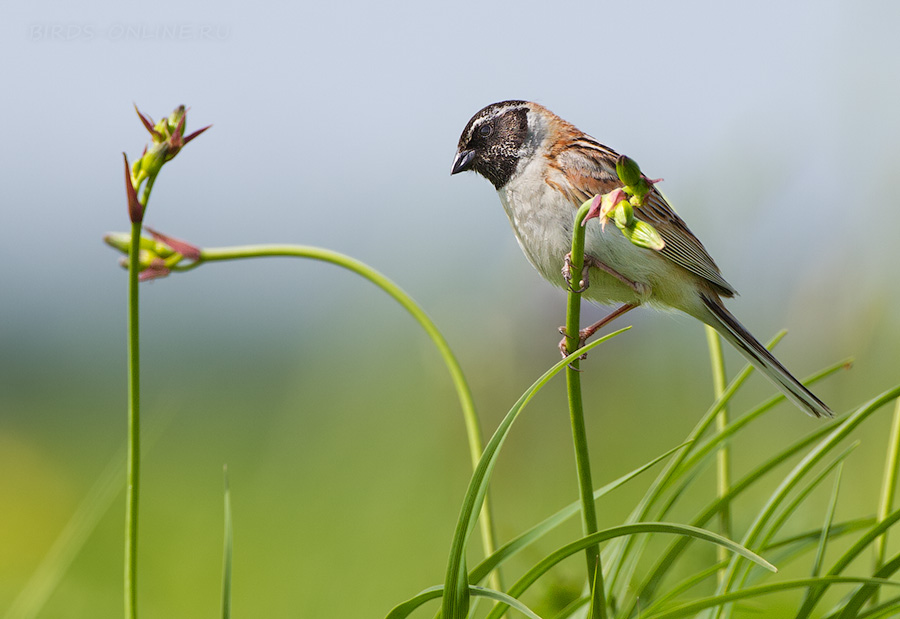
{"points": [[544, 168]]}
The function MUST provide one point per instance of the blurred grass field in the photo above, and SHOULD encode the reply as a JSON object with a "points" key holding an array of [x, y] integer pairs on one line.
{"points": [[345, 446]]}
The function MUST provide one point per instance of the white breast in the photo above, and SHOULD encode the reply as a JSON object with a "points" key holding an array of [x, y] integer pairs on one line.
{"points": [[542, 220]]}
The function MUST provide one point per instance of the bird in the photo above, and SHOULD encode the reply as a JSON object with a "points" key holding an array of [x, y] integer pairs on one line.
{"points": [[543, 169]]}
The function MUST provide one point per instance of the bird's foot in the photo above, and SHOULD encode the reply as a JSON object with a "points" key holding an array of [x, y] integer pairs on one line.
{"points": [[641, 289], [587, 332], [584, 283]]}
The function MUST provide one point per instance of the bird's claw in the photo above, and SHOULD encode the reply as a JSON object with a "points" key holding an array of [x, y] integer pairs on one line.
{"points": [[585, 282], [564, 349]]}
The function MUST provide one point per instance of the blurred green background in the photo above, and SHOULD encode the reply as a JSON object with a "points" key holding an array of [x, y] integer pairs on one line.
{"points": [[775, 126]]}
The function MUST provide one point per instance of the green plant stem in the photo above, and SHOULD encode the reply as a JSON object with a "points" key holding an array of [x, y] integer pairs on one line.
{"points": [[888, 488], [723, 455], [228, 552], [463, 392], [133, 457], [576, 415]]}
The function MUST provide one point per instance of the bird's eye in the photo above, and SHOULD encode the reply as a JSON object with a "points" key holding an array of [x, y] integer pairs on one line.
{"points": [[485, 130]]}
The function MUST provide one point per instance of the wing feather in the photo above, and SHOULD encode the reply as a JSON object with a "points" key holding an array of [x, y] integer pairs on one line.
{"points": [[582, 168]]}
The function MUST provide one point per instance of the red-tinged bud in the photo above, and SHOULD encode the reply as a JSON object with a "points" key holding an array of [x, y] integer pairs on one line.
{"points": [[135, 208], [601, 205], [195, 134], [148, 124], [155, 270], [168, 140], [189, 251], [177, 141], [176, 120]]}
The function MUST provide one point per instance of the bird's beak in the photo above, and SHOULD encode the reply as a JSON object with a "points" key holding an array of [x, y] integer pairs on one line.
{"points": [[463, 161]]}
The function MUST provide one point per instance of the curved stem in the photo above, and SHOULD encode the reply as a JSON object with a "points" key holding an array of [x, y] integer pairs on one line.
{"points": [[133, 458], [473, 430], [576, 416]]}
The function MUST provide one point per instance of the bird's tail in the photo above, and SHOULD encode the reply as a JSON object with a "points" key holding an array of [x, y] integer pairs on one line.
{"points": [[757, 354]]}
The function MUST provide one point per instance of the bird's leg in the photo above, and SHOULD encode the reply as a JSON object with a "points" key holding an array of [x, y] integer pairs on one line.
{"points": [[639, 288], [587, 332]]}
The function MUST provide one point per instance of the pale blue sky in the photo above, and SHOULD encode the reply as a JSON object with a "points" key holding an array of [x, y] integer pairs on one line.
{"points": [[775, 126]]}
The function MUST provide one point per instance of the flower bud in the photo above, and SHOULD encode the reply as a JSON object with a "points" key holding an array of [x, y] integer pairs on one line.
{"points": [[118, 240], [624, 214], [177, 117], [628, 170], [643, 234]]}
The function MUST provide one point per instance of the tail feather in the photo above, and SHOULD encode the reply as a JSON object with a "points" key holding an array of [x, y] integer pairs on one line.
{"points": [[733, 331]]}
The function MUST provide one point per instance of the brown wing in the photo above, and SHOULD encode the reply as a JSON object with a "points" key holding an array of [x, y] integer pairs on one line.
{"points": [[583, 168]]}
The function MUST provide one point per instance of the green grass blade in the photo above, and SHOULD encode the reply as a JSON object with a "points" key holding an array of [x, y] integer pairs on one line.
{"points": [[852, 553], [691, 609], [686, 585], [783, 553], [227, 553], [862, 595], [824, 533], [829, 519], [889, 483], [811, 594], [401, 611], [888, 608], [529, 578], [844, 428], [864, 541], [597, 609], [456, 589], [505, 599], [521, 541], [782, 518], [808, 537], [654, 578], [800, 543], [573, 607], [712, 444], [666, 477], [723, 456], [406, 608], [701, 458]]}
